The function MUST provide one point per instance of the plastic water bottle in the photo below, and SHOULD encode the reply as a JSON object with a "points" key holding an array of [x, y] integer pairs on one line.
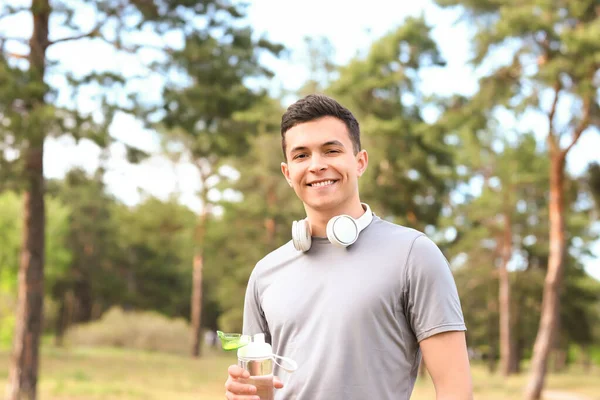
{"points": [[257, 358]]}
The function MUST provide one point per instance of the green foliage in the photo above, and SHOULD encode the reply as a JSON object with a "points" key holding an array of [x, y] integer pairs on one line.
{"points": [[593, 180], [58, 256], [147, 330], [533, 58], [200, 113], [10, 229], [152, 258], [100, 254], [457, 176], [554, 53], [408, 157], [58, 229], [9, 252], [579, 307], [90, 242]]}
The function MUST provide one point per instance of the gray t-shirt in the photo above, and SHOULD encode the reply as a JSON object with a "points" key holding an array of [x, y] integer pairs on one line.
{"points": [[352, 318]]}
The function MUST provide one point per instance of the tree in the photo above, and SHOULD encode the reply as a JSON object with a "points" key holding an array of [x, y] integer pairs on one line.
{"points": [[554, 63], [91, 243], [502, 218], [320, 64], [198, 121], [30, 113], [150, 265], [257, 220], [517, 186], [408, 155]]}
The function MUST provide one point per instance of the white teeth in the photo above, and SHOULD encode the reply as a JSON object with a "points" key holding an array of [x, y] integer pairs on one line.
{"points": [[324, 183]]}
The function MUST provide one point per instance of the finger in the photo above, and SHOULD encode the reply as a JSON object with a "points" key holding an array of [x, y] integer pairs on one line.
{"points": [[277, 383], [235, 371], [240, 388], [231, 396]]}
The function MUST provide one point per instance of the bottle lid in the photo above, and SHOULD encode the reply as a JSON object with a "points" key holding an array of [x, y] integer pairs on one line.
{"points": [[257, 348]]}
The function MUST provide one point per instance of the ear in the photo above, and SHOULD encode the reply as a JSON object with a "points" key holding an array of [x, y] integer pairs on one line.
{"points": [[362, 159], [286, 172]]}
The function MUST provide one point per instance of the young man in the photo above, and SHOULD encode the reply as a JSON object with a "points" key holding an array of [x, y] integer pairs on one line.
{"points": [[355, 317]]}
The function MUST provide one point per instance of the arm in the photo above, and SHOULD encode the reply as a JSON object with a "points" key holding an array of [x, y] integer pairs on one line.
{"points": [[435, 315], [447, 361], [254, 320]]}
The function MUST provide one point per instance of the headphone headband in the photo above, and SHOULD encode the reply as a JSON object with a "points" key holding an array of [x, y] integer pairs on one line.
{"points": [[364, 220]]}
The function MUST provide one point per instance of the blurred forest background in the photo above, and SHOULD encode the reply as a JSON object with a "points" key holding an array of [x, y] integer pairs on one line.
{"points": [[80, 268]]}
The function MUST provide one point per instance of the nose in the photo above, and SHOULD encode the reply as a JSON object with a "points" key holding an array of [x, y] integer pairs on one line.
{"points": [[317, 163]]}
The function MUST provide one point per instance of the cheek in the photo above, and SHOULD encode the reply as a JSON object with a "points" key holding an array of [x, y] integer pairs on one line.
{"points": [[296, 178]]}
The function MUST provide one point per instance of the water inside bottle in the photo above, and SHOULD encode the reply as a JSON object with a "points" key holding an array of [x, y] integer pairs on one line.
{"points": [[264, 386]]}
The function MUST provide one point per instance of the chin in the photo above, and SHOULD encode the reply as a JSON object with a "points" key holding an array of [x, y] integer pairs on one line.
{"points": [[323, 205]]}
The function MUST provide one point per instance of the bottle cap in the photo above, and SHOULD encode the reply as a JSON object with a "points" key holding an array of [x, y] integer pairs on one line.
{"points": [[256, 349]]}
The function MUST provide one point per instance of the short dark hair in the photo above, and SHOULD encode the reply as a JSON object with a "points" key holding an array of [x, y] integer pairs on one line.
{"points": [[313, 107]]}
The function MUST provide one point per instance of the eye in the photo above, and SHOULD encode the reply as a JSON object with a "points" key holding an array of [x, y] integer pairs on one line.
{"points": [[333, 151], [298, 156]]}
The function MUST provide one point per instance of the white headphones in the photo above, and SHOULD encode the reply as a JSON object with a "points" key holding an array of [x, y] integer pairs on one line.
{"points": [[342, 230]]}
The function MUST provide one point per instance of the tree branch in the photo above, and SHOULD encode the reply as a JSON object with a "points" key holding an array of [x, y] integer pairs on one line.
{"points": [[95, 32], [583, 124], [552, 142], [16, 55], [133, 48], [4, 39], [119, 46], [13, 11]]}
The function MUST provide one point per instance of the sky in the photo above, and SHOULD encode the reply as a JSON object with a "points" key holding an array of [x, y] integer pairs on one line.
{"points": [[350, 29]]}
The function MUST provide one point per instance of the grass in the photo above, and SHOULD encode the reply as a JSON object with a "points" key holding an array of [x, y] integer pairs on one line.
{"points": [[92, 373], [101, 373]]}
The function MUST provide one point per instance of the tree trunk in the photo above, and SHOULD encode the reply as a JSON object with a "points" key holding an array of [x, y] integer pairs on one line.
{"points": [[491, 306], [551, 300], [82, 285], [270, 231], [559, 347], [131, 280], [24, 364], [586, 359], [560, 360], [270, 220], [507, 347], [519, 346], [60, 323], [23, 372], [82, 291], [196, 306], [517, 334]]}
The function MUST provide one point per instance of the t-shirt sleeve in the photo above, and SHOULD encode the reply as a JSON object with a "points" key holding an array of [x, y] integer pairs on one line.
{"points": [[431, 297], [254, 317]]}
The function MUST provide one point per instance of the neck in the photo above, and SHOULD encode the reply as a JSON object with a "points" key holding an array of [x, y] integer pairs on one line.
{"points": [[318, 219]]}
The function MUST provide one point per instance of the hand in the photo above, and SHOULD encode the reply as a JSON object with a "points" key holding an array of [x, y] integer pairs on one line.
{"points": [[236, 390]]}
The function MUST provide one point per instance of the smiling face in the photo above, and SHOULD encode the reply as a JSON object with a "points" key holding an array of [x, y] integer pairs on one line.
{"points": [[321, 166]]}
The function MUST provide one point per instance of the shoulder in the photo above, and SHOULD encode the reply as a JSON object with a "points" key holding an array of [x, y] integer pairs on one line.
{"points": [[426, 260], [275, 260], [413, 247], [388, 232]]}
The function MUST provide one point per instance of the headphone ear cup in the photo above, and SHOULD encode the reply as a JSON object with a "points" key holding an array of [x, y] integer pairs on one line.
{"points": [[301, 235], [342, 230]]}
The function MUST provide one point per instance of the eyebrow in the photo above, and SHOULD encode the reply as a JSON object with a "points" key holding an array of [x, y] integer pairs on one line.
{"points": [[330, 143]]}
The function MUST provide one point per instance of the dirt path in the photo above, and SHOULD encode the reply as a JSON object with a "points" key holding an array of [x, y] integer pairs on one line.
{"points": [[557, 395]]}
